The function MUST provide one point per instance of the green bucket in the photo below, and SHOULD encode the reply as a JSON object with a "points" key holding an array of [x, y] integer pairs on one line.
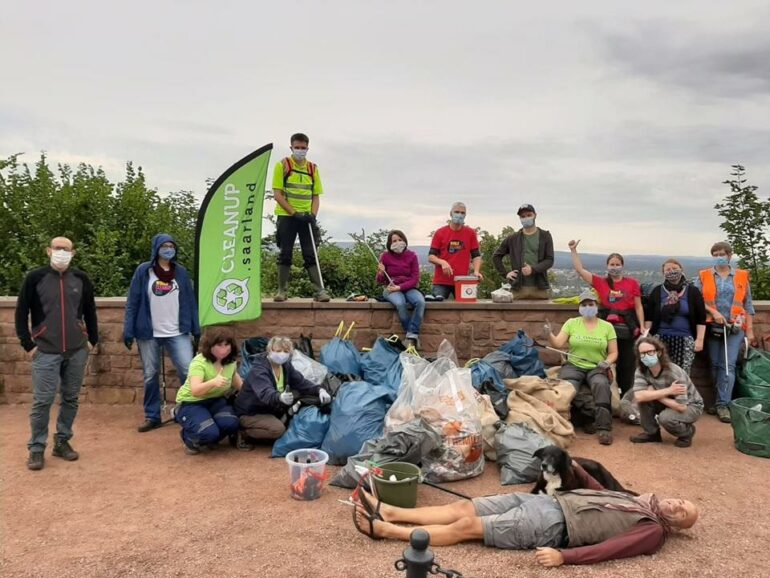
{"points": [[751, 426], [403, 491]]}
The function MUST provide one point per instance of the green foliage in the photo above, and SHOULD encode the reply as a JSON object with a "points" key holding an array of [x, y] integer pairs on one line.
{"points": [[746, 218], [110, 225]]}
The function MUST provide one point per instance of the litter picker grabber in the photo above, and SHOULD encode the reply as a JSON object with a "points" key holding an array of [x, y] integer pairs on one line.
{"points": [[315, 254], [374, 255], [566, 353]]}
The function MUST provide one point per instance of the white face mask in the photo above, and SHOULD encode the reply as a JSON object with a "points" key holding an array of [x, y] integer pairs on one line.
{"points": [[60, 258], [278, 357], [299, 154], [398, 246]]}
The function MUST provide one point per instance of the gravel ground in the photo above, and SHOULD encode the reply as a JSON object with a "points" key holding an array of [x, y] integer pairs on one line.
{"points": [[137, 505]]}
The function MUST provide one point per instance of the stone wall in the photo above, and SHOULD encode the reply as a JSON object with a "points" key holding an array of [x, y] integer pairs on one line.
{"points": [[114, 374]]}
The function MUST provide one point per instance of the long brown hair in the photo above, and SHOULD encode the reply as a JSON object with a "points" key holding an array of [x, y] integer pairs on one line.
{"points": [[218, 335], [660, 348]]}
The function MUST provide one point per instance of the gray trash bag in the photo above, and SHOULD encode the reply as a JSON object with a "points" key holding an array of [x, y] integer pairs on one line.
{"points": [[629, 409], [515, 443], [410, 442], [501, 361]]}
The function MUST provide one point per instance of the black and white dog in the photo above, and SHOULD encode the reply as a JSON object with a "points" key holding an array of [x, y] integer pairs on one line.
{"points": [[557, 473]]}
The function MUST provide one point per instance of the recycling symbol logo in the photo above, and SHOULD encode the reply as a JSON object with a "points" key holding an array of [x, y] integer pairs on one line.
{"points": [[231, 296]]}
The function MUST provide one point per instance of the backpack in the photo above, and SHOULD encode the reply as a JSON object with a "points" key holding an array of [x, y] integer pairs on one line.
{"points": [[288, 168]]}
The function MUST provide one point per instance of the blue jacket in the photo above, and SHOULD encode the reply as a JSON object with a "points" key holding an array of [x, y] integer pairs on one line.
{"points": [[138, 321], [259, 393]]}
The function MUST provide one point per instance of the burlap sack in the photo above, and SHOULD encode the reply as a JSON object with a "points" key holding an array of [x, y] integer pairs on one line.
{"points": [[489, 418], [525, 408], [557, 393]]}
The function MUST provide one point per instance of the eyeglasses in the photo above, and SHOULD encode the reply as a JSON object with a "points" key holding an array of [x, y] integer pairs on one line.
{"points": [[648, 353]]}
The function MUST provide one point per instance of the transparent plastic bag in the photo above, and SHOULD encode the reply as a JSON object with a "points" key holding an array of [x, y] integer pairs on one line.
{"points": [[309, 368], [402, 410], [502, 295]]}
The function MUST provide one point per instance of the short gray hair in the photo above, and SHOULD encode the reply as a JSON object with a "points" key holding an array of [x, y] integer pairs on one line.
{"points": [[458, 204], [278, 343]]}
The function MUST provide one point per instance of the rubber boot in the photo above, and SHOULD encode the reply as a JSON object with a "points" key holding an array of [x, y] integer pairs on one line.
{"points": [[315, 278], [284, 272]]}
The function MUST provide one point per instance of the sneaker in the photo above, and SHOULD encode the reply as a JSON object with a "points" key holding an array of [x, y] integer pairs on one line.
{"points": [[413, 340], [589, 428], [711, 410], [685, 441], [148, 425], [35, 461], [63, 449], [645, 438], [605, 438], [191, 450], [724, 414]]}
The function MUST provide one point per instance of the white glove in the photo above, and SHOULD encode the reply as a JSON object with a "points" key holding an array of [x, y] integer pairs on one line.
{"points": [[287, 398], [324, 396]]}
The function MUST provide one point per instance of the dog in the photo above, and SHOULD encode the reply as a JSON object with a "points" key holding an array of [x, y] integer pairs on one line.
{"points": [[557, 473]]}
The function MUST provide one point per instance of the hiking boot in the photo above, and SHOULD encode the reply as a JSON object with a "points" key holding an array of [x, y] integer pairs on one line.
{"points": [[645, 438], [63, 449], [35, 461], [315, 277], [148, 425], [724, 414], [284, 273], [711, 410], [685, 441], [605, 438], [589, 427]]}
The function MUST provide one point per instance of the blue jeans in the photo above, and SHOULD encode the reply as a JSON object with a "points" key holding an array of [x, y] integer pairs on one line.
{"points": [[724, 383], [399, 299], [206, 422], [443, 290], [180, 349], [49, 372]]}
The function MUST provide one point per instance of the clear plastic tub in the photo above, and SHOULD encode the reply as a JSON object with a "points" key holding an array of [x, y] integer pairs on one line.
{"points": [[307, 473]]}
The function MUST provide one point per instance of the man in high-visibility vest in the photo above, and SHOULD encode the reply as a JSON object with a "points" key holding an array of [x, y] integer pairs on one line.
{"points": [[297, 188]]}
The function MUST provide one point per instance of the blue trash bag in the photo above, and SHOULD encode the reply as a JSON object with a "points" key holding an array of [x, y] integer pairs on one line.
{"points": [[382, 366], [524, 357], [358, 414], [341, 356], [482, 371], [250, 350], [306, 430]]}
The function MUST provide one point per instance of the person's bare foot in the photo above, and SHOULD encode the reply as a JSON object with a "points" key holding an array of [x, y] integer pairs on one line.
{"points": [[386, 510], [365, 524]]}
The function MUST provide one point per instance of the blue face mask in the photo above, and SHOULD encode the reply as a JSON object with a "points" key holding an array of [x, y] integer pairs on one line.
{"points": [[167, 253], [588, 311], [650, 360], [458, 218], [299, 154], [528, 222], [721, 261]]}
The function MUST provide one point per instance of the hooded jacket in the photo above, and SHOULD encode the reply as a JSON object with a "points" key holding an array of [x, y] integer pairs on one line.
{"points": [[513, 247], [138, 320]]}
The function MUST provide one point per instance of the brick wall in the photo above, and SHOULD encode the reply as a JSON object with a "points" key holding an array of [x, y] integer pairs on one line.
{"points": [[114, 374]]}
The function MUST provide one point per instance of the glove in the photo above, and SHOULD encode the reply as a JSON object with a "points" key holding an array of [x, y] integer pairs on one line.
{"points": [[324, 396], [604, 366], [128, 342], [305, 217], [287, 398]]}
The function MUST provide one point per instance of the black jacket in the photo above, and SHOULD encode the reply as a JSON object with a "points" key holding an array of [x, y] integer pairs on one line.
{"points": [[62, 309], [695, 304], [513, 246], [260, 395]]}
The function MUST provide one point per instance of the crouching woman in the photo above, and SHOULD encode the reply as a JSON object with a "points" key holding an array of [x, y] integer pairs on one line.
{"points": [[666, 396], [202, 408], [270, 389]]}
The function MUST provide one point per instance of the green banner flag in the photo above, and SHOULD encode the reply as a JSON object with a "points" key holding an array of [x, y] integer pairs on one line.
{"points": [[228, 243]]}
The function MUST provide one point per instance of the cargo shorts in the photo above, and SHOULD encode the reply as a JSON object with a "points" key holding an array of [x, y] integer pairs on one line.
{"points": [[521, 521]]}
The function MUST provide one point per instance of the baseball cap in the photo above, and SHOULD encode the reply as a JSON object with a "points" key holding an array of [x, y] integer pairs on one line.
{"points": [[526, 207], [587, 295]]}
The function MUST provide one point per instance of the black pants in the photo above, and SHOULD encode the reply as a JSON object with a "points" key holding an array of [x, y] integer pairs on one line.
{"points": [[286, 234], [625, 366]]}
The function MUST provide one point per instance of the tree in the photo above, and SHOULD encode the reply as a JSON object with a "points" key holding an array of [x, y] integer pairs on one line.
{"points": [[746, 218]]}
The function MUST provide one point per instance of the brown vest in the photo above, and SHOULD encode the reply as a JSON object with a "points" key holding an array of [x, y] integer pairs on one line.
{"points": [[589, 521]]}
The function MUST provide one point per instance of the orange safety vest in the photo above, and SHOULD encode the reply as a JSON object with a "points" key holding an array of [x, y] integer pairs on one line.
{"points": [[741, 282]]}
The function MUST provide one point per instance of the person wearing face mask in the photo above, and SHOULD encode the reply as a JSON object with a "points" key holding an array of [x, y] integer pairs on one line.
{"points": [[270, 390], [620, 300], [297, 190], [592, 350], [729, 318], [399, 271], [666, 396], [453, 249], [676, 314], [530, 251], [161, 312], [202, 408], [58, 300]]}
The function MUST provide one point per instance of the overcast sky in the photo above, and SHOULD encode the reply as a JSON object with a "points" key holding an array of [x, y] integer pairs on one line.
{"points": [[617, 121]]}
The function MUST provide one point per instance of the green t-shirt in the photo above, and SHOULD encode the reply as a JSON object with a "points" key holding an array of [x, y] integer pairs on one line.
{"points": [[590, 345], [203, 368], [531, 245], [279, 381]]}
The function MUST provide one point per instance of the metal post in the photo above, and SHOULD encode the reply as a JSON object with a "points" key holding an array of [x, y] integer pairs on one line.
{"points": [[418, 558]]}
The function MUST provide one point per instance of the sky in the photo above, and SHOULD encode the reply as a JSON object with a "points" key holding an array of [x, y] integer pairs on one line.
{"points": [[617, 121]]}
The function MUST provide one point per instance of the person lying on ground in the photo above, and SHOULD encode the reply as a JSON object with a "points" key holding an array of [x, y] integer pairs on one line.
{"points": [[578, 527], [270, 390], [202, 409]]}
